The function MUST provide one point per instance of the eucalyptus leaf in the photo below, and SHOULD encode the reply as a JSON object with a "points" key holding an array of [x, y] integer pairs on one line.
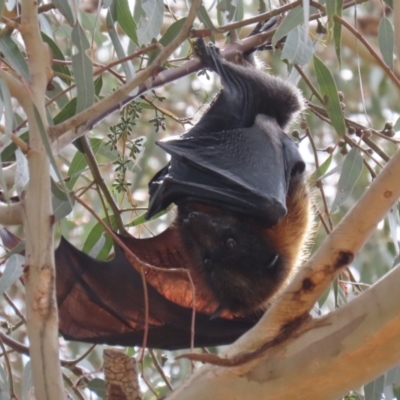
{"points": [[4, 385], [330, 95], [83, 69], [64, 6], [8, 107], [351, 171], [13, 271], [374, 389], [13, 56], [296, 50], [393, 220], [337, 31], [320, 171], [22, 172], [98, 386], [205, 19], [122, 13], [293, 18], [28, 390], [386, 41], [149, 17], [119, 50]]}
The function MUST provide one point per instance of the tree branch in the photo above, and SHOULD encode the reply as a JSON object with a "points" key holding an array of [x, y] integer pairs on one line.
{"points": [[39, 275]]}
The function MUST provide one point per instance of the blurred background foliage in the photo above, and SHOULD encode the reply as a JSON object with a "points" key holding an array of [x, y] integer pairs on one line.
{"points": [[125, 154]]}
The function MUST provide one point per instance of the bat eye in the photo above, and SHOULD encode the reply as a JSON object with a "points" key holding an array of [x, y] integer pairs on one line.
{"points": [[230, 243], [273, 261], [207, 264], [192, 216]]}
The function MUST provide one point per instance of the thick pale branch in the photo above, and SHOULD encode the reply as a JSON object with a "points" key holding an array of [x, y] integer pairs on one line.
{"points": [[329, 357], [41, 306]]}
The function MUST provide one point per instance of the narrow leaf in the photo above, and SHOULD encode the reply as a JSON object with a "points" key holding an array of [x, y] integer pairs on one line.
{"points": [[28, 390], [8, 107], [320, 171], [124, 17], [98, 386], [205, 19], [49, 152], [351, 171], [14, 57], [386, 41], [4, 385], [64, 6], [374, 389], [168, 36], [13, 271], [295, 49], [22, 172], [393, 219], [337, 31], [293, 18], [149, 17], [330, 7], [126, 65], [329, 92], [61, 208], [83, 69]]}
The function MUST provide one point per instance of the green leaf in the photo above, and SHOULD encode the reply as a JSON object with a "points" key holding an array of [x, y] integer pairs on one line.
{"points": [[293, 18], [330, 12], [124, 17], [337, 31], [68, 111], [330, 94], [168, 37], [98, 386], [49, 152], [13, 271], [4, 385], [295, 50], [83, 69], [95, 235], [386, 41], [61, 208], [141, 219], [393, 221], [320, 171], [27, 381], [8, 107], [396, 126], [351, 171], [228, 8], [149, 17], [14, 57], [324, 297], [126, 65], [205, 19], [65, 10], [374, 389]]}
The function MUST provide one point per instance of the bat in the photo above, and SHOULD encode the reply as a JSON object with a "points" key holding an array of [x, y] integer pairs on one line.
{"points": [[243, 216]]}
